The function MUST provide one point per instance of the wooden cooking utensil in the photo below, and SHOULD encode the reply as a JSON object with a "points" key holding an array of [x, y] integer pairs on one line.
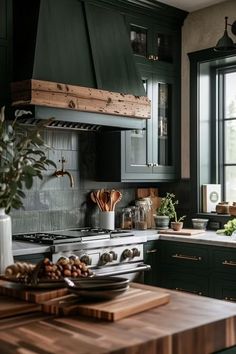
{"points": [[105, 197], [93, 197], [115, 198]]}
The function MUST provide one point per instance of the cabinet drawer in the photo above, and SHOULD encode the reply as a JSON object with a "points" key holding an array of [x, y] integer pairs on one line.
{"points": [[224, 289], [224, 260], [180, 254], [186, 282], [151, 257]]}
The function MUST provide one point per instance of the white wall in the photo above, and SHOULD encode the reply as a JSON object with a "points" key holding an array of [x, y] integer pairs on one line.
{"points": [[201, 30]]}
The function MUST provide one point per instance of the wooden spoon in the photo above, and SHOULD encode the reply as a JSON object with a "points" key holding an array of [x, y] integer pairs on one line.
{"points": [[93, 196], [99, 200], [115, 198], [105, 197]]}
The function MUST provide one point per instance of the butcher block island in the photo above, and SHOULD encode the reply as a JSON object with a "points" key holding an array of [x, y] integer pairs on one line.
{"points": [[187, 324]]}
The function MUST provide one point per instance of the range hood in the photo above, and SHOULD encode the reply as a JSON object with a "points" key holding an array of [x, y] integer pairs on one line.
{"points": [[60, 71]]}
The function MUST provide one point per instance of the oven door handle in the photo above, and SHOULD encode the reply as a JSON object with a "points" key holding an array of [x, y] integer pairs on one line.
{"points": [[140, 268]]}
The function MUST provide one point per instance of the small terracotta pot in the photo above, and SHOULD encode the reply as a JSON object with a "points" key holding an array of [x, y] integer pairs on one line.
{"points": [[222, 208], [176, 226]]}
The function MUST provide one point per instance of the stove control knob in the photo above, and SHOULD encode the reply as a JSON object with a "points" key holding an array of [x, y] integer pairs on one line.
{"points": [[127, 253], [136, 252], [114, 255], [106, 258], [85, 259]]}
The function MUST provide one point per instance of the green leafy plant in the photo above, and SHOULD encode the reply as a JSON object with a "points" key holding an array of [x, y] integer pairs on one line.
{"points": [[181, 218], [229, 228], [22, 157], [167, 206]]}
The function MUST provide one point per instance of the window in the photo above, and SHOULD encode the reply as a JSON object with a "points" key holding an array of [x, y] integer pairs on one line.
{"points": [[212, 126], [226, 108]]}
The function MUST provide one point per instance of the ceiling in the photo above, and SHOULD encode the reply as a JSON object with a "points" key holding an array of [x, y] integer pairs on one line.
{"points": [[191, 5]]}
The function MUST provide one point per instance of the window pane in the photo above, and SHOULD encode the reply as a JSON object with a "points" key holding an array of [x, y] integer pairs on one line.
{"points": [[230, 184], [164, 47], [230, 95], [230, 141], [138, 38], [138, 141], [138, 147], [164, 116]]}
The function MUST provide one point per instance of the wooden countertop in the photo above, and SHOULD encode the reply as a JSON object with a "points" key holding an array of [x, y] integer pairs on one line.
{"points": [[188, 324]]}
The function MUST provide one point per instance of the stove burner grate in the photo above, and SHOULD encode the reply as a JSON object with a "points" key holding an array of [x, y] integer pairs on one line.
{"points": [[69, 236]]}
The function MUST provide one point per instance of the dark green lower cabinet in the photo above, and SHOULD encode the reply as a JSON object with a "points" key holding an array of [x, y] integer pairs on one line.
{"points": [[224, 289], [181, 280], [231, 350], [151, 257], [195, 268]]}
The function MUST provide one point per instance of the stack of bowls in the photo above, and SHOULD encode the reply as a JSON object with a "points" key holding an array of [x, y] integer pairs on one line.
{"points": [[98, 288]]}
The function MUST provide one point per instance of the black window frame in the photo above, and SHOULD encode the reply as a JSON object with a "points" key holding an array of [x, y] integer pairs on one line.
{"points": [[196, 58]]}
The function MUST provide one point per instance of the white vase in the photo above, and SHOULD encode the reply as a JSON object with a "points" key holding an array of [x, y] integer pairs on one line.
{"points": [[6, 254]]}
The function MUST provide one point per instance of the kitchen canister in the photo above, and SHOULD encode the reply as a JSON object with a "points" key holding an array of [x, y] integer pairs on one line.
{"points": [[141, 213], [107, 220], [126, 218]]}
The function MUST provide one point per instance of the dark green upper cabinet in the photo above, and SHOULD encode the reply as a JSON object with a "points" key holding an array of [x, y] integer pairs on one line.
{"points": [[113, 58], [154, 45], [150, 154]]}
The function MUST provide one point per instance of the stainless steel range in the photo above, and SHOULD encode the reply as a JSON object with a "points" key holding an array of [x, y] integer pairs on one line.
{"points": [[106, 252]]}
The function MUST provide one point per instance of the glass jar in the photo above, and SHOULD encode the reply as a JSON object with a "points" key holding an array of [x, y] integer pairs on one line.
{"points": [[141, 213], [126, 218]]}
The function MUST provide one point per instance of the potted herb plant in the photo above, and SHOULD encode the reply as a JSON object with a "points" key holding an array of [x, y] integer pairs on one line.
{"points": [[22, 157], [166, 211], [177, 224]]}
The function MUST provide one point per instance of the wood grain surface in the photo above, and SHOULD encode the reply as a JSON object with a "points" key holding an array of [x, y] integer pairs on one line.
{"points": [[131, 302], [54, 94], [12, 307], [12, 289], [188, 324]]}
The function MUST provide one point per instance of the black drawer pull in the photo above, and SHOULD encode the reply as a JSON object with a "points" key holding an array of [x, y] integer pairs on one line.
{"points": [[190, 291], [190, 258], [233, 299], [229, 263], [151, 251]]}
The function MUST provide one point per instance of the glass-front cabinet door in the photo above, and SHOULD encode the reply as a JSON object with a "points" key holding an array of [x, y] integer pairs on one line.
{"points": [[138, 144], [149, 43], [150, 152], [163, 126]]}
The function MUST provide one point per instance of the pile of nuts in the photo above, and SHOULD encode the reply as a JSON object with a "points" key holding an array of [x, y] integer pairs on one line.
{"points": [[70, 267], [65, 267]]}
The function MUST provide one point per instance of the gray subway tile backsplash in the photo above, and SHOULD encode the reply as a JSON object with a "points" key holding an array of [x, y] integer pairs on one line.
{"points": [[51, 204]]}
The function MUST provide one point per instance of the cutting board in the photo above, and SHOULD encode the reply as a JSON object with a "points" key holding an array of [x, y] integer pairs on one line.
{"points": [[13, 307], [183, 232], [135, 300], [12, 289], [152, 193]]}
